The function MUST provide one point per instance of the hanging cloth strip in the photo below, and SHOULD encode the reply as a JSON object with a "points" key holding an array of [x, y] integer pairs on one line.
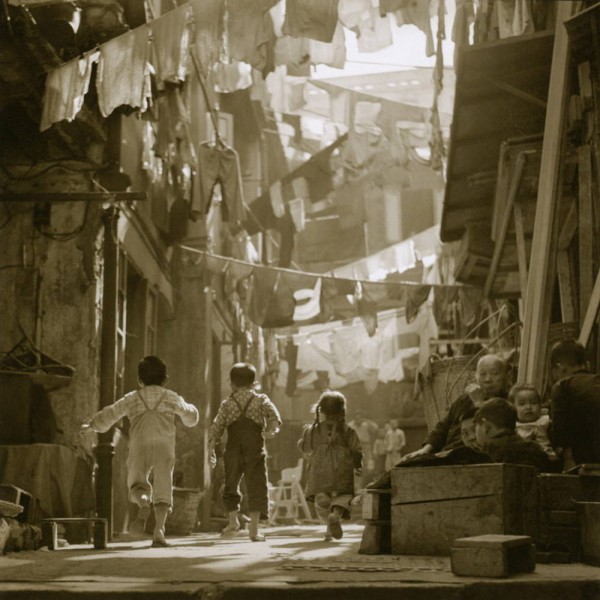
{"points": [[123, 76], [66, 88]]}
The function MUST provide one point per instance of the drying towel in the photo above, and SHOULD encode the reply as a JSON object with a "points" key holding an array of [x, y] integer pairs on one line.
{"points": [[171, 45], [66, 87], [313, 19], [123, 74], [333, 53]]}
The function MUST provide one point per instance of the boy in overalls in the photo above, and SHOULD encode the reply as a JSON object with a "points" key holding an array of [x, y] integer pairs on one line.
{"points": [[249, 418], [151, 411]]}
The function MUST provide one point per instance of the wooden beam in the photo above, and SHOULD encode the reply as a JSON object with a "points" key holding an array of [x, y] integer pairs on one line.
{"points": [[569, 228], [591, 314], [541, 279], [521, 249], [511, 89], [586, 228], [506, 217], [73, 197], [566, 286]]}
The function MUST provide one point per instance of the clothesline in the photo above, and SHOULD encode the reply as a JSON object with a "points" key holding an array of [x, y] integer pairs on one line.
{"points": [[328, 276]]}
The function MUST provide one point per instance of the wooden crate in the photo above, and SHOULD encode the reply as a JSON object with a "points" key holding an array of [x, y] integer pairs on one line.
{"points": [[376, 538], [558, 492], [376, 505], [493, 555], [433, 506]]}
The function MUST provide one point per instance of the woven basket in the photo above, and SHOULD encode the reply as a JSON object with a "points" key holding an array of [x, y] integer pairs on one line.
{"points": [[447, 381], [10, 509], [184, 517]]}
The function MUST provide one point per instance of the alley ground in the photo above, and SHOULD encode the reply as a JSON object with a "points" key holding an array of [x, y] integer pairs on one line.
{"points": [[293, 563]]}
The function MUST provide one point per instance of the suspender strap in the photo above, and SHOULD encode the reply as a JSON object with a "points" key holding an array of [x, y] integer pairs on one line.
{"points": [[156, 405], [247, 405]]}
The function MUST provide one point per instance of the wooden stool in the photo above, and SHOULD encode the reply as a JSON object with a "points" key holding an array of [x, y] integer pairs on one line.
{"points": [[492, 555], [50, 530]]}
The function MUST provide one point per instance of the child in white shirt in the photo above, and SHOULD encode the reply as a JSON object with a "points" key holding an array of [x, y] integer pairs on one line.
{"points": [[531, 423]]}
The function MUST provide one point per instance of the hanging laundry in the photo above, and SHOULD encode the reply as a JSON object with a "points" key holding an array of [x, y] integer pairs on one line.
{"points": [[463, 19], [294, 53], [171, 34], [291, 356], [470, 301], [339, 106], [413, 12], [345, 350], [232, 77], [352, 12], [331, 53], [206, 33], [350, 204], [416, 296], [66, 87], [298, 214], [276, 197], [219, 165], [313, 19], [308, 303], [374, 32], [514, 18], [366, 115], [123, 76], [250, 33], [444, 299]]}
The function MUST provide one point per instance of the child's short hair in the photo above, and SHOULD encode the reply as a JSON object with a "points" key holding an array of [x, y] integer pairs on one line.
{"points": [[242, 375], [568, 352], [332, 404], [523, 387], [468, 414], [499, 412], [152, 370]]}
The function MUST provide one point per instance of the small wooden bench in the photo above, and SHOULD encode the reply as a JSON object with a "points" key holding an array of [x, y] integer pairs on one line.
{"points": [[492, 555], [99, 532]]}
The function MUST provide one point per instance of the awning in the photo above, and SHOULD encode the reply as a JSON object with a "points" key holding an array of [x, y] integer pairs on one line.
{"points": [[501, 93]]}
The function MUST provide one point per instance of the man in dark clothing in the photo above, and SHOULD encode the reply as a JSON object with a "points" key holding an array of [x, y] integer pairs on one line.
{"points": [[492, 380], [495, 424], [575, 405]]}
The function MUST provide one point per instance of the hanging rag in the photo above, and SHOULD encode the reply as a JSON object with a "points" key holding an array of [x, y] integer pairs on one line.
{"points": [[374, 32], [66, 87], [331, 53], [413, 12], [123, 76], [171, 35], [313, 19], [251, 33]]}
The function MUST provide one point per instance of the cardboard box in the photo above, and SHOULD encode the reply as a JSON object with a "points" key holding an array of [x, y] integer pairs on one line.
{"points": [[433, 506]]}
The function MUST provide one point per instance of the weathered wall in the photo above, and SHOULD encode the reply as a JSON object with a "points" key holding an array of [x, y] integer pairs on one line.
{"points": [[54, 280]]}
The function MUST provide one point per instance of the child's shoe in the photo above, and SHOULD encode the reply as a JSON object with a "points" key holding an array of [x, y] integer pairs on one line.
{"points": [[138, 526], [230, 529], [334, 525]]}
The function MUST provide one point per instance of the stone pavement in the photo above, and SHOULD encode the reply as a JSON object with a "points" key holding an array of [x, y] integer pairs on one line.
{"points": [[293, 563]]}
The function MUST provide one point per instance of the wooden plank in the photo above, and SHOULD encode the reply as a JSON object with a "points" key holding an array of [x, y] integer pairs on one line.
{"points": [[521, 249], [532, 362], [506, 217], [586, 228], [73, 196], [566, 286], [591, 314], [569, 228]]}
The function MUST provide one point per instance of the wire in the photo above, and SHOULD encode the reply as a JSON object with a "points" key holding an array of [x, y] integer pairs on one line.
{"points": [[67, 236]]}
